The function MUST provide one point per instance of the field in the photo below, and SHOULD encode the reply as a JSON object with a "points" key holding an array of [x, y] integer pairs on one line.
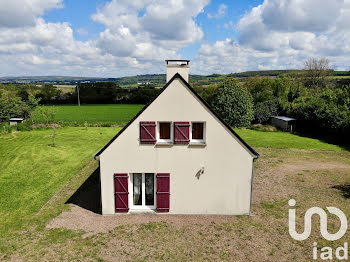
{"points": [[93, 114], [38, 223], [279, 139], [32, 170]]}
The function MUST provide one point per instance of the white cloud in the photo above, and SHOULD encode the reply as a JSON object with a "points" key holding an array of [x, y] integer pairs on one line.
{"points": [[148, 30], [24, 12], [281, 34], [138, 36], [296, 15], [220, 13], [83, 31]]}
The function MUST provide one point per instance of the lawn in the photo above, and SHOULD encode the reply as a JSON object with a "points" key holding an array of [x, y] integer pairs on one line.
{"points": [[37, 179], [278, 139], [93, 114], [32, 171]]}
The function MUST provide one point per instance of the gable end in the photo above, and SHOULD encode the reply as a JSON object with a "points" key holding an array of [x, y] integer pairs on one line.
{"points": [[177, 75]]}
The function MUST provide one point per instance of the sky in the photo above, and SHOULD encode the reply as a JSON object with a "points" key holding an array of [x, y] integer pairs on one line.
{"points": [[117, 38]]}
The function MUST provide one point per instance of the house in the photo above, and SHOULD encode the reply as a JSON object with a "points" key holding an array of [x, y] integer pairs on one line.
{"points": [[283, 122], [177, 156], [14, 121]]}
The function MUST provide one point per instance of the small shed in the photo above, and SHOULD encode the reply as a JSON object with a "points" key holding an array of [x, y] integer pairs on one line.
{"points": [[15, 120], [283, 122]]}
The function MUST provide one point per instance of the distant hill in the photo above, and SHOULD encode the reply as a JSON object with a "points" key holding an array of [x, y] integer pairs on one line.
{"points": [[49, 79], [153, 79]]}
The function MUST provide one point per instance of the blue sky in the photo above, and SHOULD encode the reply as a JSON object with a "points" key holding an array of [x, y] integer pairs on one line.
{"points": [[121, 37], [78, 14]]}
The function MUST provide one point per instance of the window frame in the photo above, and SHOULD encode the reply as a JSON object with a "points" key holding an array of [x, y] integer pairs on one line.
{"points": [[143, 185], [165, 141], [198, 141]]}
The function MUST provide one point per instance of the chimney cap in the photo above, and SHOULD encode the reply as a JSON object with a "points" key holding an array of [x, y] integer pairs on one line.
{"points": [[177, 60]]}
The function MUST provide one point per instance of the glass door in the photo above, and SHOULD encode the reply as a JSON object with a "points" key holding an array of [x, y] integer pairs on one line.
{"points": [[149, 189], [137, 189], [143, 191]]}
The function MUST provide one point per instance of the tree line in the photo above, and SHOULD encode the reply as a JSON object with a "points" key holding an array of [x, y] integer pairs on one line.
{"points": [[320, 105], [319, 102]]}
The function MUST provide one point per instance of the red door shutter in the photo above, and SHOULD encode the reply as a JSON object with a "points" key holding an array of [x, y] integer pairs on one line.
{"points": [[163, 192], [121, 193], [181, 132], [148, 132]]}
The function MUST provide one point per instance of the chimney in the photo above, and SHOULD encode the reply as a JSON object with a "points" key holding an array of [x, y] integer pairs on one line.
{"points": [[177, 66]]}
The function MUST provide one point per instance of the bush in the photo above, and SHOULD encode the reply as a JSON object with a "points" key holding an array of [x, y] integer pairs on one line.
{"points": [[234, 104], [264, 110], [24, 126], [206, 92], [329, 109]]}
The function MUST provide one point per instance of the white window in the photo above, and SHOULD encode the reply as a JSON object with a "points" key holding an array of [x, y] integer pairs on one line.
{"points": [[197, 134], [142, 191], [165, 132]]}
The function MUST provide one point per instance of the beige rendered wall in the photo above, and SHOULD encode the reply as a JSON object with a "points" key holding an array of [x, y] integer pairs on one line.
{"points": [[225, 186], [172, 69]]}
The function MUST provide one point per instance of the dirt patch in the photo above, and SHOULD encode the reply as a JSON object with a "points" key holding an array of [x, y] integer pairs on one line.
{"points": [[312, 178], [264, 127], [46, 125], [271, 182], [81, 219]]}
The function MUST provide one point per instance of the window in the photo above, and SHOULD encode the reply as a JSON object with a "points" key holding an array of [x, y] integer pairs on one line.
{"points": [[143, 191], [164, 132], [198, 132]]}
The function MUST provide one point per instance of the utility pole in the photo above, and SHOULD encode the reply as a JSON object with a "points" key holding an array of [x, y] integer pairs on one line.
{"points": [[78, 95]]}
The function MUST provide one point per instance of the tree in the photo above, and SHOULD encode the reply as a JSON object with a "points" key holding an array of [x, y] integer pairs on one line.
{"points": [[23, 94], [47, 112], [234, 104], [32, 103], [49, 94], [316, 72], [13, 106], [264, 110], [261, 88]]}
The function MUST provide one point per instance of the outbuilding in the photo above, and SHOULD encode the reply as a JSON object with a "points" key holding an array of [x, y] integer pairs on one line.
{"points": [[15, 120], [283, 122], [177, 156]]}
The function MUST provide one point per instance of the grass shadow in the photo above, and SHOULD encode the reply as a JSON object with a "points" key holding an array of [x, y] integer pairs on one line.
{"points": [[345, 189], [333, 139], [88, 195]]}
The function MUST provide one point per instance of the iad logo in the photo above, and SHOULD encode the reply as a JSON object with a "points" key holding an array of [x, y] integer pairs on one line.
{"points": [[326, 252], [323, 222]]}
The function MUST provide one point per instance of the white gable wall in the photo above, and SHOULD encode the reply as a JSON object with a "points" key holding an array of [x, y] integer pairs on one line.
{"points": [[225, 186]]}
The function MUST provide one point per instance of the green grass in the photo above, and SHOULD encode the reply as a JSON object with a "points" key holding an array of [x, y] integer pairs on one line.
{"points": [[32, 171], [278, 139], [93, 114]]}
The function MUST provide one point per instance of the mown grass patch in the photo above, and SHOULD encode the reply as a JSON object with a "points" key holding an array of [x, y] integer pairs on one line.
{"points": [[32, 171], [278, 139], [92, 114]]}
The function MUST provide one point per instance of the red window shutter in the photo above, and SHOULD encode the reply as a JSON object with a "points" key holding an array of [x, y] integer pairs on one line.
{"points": [[163, 192], [181, 132], [148, 132], [121, 193]]}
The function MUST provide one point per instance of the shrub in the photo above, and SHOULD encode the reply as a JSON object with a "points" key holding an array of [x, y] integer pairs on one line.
{"points": [[234, 104], [264, 110]]}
